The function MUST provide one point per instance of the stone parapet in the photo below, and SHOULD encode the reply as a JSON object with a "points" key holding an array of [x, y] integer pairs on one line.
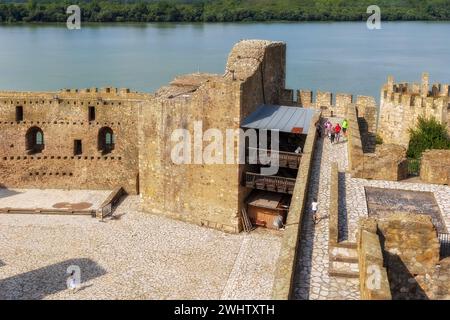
{"points": [[387, 163], [374, 283], [435, 167], [284, 275]]}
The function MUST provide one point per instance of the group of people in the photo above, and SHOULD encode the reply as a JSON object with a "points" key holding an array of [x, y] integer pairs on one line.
{"points": [[333, 132]]}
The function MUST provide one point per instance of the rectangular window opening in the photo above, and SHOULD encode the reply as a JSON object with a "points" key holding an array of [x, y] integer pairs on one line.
{"points": [[91, 113], [78, 147], [19, 113]]}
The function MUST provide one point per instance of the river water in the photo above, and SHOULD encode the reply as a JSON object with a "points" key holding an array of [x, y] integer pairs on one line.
{"points": [[337, 57]]}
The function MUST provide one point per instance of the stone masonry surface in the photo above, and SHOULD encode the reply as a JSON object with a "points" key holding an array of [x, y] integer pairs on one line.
{"points": [[134, 256]]}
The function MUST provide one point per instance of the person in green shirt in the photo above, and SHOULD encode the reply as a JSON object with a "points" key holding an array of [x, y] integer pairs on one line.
{"points": [[345, 127]]}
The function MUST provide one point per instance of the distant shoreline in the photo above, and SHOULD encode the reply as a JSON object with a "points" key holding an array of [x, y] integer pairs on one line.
{"points": [[221, 11], [124, 23]]}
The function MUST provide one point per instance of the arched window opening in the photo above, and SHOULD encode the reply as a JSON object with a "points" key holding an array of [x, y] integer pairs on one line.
{"points": [[106, 140], [34, 140]]}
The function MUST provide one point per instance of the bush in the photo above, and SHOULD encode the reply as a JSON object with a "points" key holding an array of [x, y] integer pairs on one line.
{"points": [[429, 134]]}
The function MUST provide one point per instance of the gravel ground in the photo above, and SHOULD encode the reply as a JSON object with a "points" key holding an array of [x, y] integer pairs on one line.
{"points": [[137, 256]]}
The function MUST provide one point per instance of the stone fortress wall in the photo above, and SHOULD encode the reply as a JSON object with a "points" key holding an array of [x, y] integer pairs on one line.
{"points": [[401, 104], [209, 195], [71, 153], [142, 125], [63, 117]]}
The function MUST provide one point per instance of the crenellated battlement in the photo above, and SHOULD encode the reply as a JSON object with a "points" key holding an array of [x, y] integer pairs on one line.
{"points": [[96, 94], [403, 103], [416, 94]]}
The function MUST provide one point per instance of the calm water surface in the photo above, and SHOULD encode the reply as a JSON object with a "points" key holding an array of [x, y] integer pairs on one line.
{"points": [[339, 57]]}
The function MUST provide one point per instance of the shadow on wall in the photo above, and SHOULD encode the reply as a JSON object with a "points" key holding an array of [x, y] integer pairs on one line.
{"points": [[4, 192], [39, 283], [342, 208], [2, 264], [402, 283]]}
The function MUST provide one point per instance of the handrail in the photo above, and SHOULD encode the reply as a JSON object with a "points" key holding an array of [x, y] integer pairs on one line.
{"points": [[277, 151], [285, 159], [271, 183]]}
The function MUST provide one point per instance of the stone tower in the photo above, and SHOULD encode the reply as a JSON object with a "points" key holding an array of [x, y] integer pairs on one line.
{"points": [[401, 104]]}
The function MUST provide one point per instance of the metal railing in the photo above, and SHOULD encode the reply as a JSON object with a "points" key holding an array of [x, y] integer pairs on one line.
{"points": [[285, 159], [444, 240], [269, 183]]}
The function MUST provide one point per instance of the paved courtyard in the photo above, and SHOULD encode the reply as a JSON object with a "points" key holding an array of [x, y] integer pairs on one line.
{"points": [[50, 198], [136, 256]]}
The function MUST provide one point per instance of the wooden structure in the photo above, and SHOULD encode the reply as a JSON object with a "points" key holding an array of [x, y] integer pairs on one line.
{"points": [[264, 207], [285, 159], [269, 183]]}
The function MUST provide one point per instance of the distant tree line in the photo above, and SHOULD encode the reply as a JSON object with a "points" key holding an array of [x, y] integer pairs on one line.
{"points": [[221, 10]]}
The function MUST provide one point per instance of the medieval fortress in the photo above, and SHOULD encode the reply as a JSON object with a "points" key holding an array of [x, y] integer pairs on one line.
{"points": [[104, 139]]}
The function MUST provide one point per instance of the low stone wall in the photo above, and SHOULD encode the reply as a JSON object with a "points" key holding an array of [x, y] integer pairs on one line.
{"points": [[387, 163], [333, 224], [373, 278], [411, 248], [285, 271], [435, 167]]}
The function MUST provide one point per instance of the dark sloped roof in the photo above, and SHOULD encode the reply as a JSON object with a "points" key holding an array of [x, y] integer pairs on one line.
{"points": [[282, 118]]}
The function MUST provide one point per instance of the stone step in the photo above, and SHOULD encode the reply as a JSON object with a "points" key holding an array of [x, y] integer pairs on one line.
{"points": [[343, 269], [347, 244], [343, 254]]}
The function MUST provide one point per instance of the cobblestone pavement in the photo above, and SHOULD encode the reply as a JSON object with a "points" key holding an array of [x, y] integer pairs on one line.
{"points": [[136, 256], [311, 279]]}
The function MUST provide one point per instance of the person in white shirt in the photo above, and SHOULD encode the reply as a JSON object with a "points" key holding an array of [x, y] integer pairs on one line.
{"points": [[314, 208]]}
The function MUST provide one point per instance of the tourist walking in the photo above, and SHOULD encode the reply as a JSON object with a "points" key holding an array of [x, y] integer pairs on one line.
{"points": [[332, 134], [328, 126], [314, 208], [337, 130], [344, 127]]}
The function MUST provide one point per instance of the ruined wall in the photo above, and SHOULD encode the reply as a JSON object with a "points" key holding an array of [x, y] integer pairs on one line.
{"points": [[63, 118], [435, 167], [405, 248], [403, 103], [373, 278], [411, 251], [206, 194], [388, 162]]}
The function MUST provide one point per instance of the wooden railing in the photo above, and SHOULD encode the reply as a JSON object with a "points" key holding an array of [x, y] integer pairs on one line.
{"points": [[269, 183], [285, 159]]}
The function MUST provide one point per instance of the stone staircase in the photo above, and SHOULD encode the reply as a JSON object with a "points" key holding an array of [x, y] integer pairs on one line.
{"points": [[343, 261]]}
